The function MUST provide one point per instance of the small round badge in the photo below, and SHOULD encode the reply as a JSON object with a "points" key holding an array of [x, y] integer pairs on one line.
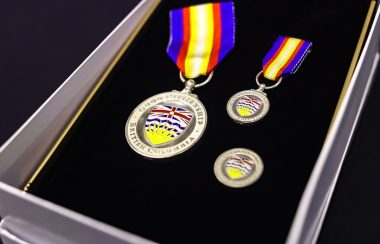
{"points": [[238, 167], [248, 106]]}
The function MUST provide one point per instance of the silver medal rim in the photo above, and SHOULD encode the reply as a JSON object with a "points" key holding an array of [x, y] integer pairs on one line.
{"points": [[255, 176], [197, 131], [236, 117]]}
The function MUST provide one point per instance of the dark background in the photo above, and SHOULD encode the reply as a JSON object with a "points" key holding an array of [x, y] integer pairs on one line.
{"points": [[43, 42]]}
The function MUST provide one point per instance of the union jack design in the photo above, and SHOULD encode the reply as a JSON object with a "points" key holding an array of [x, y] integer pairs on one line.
{"points": [[247, 106], [165, 123], [239, 166]]}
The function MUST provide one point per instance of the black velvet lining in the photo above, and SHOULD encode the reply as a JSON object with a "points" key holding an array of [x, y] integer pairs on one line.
{"points": [[96, 173]]}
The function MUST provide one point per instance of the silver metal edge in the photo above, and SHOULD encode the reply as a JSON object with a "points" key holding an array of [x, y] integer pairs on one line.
{"points": [[317, 194], [30, 143], [67, 227], [20, 154]]}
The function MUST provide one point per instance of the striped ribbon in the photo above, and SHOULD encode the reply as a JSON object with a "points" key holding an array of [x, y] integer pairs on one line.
{"points": [[201, 36], [285, 57]]}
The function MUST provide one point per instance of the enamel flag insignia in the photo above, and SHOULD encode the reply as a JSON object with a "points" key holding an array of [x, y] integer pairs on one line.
{"points": [[166, 123], [238, 167]]}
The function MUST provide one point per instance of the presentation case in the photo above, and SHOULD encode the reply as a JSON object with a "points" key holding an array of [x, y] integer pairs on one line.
{"points": [[68, 174]]}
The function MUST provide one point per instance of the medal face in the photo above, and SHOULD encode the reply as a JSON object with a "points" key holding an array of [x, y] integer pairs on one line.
{"points": [[238, 167], [166, 124], [248, 106]]}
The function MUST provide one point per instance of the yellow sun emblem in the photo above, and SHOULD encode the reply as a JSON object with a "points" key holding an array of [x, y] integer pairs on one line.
{"points": [[160, 133]]}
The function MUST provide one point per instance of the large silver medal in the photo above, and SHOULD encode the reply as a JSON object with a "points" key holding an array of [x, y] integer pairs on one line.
{"points": [[168, 123]]}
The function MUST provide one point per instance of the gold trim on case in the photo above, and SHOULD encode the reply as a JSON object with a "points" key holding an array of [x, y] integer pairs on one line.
{"points": [[91, 94], [355, 58]]}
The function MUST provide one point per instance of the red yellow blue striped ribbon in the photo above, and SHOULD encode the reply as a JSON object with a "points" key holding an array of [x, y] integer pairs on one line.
{"points": [[200, 36], [285, 57]]}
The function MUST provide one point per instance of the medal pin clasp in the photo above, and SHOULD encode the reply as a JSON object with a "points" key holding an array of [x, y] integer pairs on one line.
{"points": [[189, 86], [261, 89]]}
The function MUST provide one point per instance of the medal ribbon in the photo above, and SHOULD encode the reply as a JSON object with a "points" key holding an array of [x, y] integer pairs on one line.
{"points": [[285, 57], [201, 36]]}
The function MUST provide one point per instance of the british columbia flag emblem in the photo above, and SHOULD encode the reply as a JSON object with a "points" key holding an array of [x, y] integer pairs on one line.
{"points": [[238, 166], [247, 106], [166, 123]]}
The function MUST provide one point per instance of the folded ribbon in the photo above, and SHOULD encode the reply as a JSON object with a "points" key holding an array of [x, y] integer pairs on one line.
{"points": [[285, 57], [201, 36]]}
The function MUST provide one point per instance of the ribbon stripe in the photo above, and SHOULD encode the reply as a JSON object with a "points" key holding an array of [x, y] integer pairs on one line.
{"points": [[285, 57], [200, 36]]}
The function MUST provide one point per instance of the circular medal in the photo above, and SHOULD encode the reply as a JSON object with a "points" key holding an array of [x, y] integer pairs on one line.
{"points": [[248, 106], [166, 124], [238, 167]]}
